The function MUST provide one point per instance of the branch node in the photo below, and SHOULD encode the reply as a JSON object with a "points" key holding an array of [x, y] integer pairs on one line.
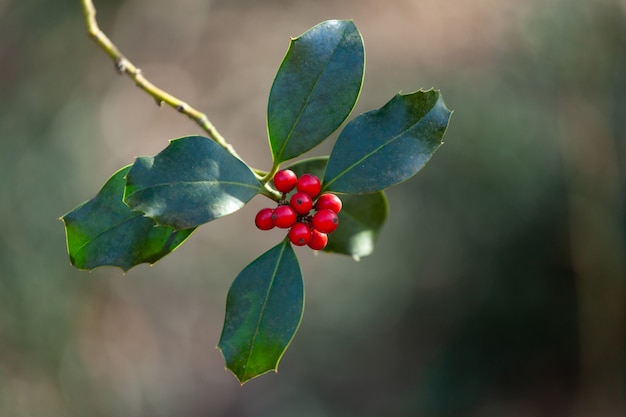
{"points": [[203, 121], [120, 65], [158, 102], [181, 107]]}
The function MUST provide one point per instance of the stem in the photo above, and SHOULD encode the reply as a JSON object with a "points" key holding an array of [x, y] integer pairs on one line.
{"points": [[271, 193], [124, 66], [271, 174]]}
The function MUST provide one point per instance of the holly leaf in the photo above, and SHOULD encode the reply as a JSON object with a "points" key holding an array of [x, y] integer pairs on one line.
{"points": [[192, 181], [384, 147], [263, 311], [105, 231], [316, 87], [360, 219]]}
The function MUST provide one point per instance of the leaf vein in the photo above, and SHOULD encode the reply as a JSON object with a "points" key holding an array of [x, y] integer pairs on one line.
{"points": [[83, 246], [208, 182], [308, 99], [265, 301], [369, 154]]}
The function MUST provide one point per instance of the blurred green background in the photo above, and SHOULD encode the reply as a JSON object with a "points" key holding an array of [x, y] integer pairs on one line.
{"points": [[497, 287]]}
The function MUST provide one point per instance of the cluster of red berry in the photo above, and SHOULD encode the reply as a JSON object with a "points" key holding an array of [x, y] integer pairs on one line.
{"points": [[294, 213]]}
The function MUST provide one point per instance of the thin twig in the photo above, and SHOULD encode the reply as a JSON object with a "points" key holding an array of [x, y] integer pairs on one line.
{"points": [[124, 66]]}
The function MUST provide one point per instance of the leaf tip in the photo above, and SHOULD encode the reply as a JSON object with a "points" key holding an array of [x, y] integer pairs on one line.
{"points": [[240, 374]]}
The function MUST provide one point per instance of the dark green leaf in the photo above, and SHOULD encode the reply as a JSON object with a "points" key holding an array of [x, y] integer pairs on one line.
{"points": [[316, 87], [383, 147], [315, 166], [360, 219], [263, 311], [192, 181], [105, 231]]}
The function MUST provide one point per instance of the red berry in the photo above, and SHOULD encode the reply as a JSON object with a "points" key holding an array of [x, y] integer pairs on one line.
{"points": [[264, 220], [300, 234], [325, 220], [328, 201], [284, 217], [318, 240], [309, 184], [285, 180], [302, 203]]}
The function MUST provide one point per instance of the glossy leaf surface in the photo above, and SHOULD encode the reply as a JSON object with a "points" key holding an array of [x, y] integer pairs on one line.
{"points": [[360, 219], [192, 181], [263, 311], [105, 231], [384, 147], [316, 87]]}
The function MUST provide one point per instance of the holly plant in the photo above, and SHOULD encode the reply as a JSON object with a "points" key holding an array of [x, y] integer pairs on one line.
{"points": [[332, 204]]}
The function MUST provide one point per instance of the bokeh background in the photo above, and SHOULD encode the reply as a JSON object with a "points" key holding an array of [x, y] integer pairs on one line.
{"points": [[498, 284]]}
